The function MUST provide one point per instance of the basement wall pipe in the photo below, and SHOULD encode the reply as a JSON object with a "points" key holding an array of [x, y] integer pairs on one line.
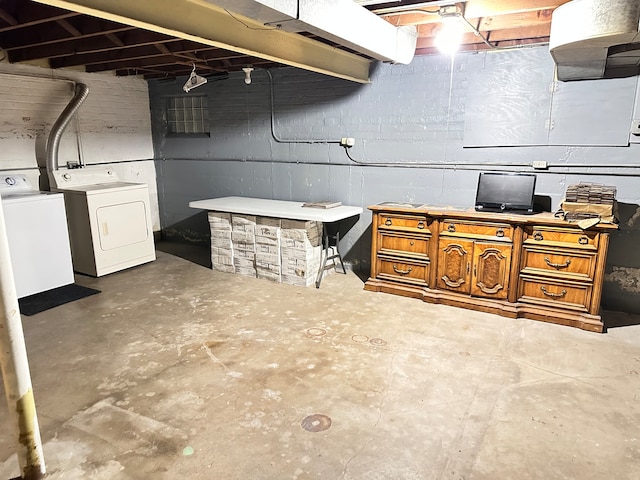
{"points": [[475, 166], [15, 370], [53, 142], [273, 121]]}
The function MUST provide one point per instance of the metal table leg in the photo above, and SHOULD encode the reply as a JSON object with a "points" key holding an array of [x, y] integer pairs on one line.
{"points": [[329, 252]]}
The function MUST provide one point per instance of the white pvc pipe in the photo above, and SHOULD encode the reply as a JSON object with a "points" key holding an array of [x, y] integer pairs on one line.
{"points": [[15, 369]]}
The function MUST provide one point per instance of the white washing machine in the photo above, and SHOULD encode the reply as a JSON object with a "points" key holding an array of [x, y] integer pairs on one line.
{"points": [[38, 239], [109, 220]]}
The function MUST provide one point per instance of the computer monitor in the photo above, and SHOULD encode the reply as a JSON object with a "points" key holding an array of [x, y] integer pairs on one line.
{"points": [[505, 192]]}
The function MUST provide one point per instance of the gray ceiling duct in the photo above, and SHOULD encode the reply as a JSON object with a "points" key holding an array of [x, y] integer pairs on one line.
{"points": [[341, 21], [596, 39]]}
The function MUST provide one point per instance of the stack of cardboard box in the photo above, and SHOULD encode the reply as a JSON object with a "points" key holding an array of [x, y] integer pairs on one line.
{"points": [[268, 248], [244, 244], [221, 246], [300, 251]]}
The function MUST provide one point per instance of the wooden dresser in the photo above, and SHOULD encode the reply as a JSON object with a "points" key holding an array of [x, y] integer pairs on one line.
{"points": [[532, 266]]}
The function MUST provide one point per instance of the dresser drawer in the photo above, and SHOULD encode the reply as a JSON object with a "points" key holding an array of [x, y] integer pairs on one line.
{"points": [[561, 236], [559, 262], [493, 231], [404, 222], [401, 243], [403, 270], [555, 293]]}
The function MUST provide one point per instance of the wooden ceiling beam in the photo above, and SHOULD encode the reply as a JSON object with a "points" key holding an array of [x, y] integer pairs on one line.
{"points": [[40, 21], [488, 8], [200, 53], [115, 39], [495, 37], [132, 38], [7, 17], [201, 21], [480, 9], [69, 28]]}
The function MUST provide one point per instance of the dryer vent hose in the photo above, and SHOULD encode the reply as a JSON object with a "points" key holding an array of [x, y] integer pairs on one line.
{"points": [[53, 142]]}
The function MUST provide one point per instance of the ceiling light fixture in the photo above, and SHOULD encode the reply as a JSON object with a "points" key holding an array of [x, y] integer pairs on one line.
{"points": [[247, 74], [194, 80], [449, 37]]}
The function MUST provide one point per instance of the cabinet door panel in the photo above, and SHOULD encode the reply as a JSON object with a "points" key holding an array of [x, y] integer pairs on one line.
{"points": [[491, 264], [454, 264]]}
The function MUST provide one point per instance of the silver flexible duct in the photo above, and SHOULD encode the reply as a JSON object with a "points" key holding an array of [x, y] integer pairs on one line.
{"points": [[53, 142]]}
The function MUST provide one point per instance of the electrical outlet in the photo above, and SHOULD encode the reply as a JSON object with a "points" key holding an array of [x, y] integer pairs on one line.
{"points": [[540, 165], [347, 142]]}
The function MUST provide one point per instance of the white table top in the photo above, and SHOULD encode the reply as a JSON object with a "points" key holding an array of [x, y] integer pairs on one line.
{"points": [[276, 208]]}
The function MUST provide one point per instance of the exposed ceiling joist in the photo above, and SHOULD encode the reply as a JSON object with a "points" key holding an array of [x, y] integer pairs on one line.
{"points": [[193, 20], [42, 34]]}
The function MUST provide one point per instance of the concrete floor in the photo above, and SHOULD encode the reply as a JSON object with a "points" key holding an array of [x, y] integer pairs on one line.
{"points": [[177, 371]]}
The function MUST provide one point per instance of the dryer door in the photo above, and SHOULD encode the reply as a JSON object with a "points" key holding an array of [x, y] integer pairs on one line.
{"points": [[123, 224]]}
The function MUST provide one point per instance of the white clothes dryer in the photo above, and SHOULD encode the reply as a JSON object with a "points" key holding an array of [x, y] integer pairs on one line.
{"points": [[109, 220], [36, 226]]}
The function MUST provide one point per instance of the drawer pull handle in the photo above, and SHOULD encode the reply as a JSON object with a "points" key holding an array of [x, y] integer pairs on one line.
{"points": [[451, 228], [421, 224], [538, 236], [583, 240], [387, 222], [412, 243], [554, 295], [557, 265], [500, 233], [402, 272]]}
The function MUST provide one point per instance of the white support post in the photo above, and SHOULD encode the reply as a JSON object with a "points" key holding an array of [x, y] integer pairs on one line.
{"points": [[15, 370]]}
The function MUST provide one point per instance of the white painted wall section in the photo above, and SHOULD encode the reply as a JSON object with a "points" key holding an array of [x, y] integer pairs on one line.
{"points": [[112, 125]]}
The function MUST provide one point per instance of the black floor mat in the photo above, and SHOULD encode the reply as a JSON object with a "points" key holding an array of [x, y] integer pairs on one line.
{"points": [[39, 302]]}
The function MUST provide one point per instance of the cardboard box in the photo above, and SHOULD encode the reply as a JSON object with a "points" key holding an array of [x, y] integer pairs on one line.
{"points": [[242, 237], [268, 275], [267, 231], [299, 281], [221, 242], [244, 262], [239, 222], [268, 221], [223, 268], [606, 213], [221, 260], [246, 271], [219, 218], [306, 254], [226, 252], [265, 249], [268, 260]]}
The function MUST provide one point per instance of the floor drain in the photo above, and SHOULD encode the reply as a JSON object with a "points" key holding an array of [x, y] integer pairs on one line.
{"points": [[316, 422], [316, 332]]}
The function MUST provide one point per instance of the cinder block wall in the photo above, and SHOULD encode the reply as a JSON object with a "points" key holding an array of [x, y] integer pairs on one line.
{"points": [[410, 125]]}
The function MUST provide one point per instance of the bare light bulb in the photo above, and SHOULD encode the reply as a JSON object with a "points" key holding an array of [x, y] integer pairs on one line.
{"points": [[449, 37], [247, 74]]}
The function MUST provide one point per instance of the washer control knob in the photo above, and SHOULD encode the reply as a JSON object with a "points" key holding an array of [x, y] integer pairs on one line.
{"points": [[66, 176], [109, 172], [10, 181]]}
